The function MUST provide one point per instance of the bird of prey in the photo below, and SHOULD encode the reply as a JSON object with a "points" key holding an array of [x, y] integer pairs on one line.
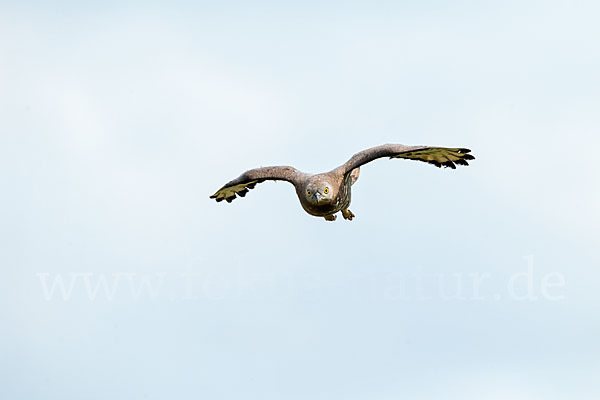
{"points": [[324, 195]]}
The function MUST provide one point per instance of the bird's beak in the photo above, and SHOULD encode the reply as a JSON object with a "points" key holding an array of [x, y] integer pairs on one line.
{"points": [[318, 196]]}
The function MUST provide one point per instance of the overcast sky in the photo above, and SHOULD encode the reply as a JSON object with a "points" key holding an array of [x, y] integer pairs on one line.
{"points": [[118, 120]]}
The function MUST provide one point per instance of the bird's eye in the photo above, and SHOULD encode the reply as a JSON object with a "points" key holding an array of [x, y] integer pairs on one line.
{"points": [[308, 192], [326, 190]]}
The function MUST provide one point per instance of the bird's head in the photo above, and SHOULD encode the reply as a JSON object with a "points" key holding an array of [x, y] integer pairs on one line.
{"points": [[319, 191]]}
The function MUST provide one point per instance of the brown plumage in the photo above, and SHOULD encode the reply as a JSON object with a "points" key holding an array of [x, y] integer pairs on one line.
{"points": [[325, 194]]}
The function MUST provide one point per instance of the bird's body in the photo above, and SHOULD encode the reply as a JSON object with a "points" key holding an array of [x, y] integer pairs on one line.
{"points": [[326, 194], [322, 204]]}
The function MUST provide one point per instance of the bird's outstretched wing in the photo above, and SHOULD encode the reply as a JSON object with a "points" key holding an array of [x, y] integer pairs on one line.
{"points": [[438, 156], [248, 180]]}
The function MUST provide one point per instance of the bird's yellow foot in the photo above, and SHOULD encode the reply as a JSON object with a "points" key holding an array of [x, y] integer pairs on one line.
{"points": [[347, 214], [331, 217]]}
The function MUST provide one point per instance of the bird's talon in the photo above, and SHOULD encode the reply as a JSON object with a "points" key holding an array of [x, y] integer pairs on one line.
{"points": [[347, 214]]}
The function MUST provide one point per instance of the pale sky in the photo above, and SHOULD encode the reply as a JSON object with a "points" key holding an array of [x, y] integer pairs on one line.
{"points": [[118, 120]]}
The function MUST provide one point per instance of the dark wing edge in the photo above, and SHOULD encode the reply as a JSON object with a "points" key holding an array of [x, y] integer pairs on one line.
{"points": [[439, 156], [249, 179]]}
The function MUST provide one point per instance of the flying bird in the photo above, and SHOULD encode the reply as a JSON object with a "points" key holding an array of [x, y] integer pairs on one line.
{"points": [[326, 194]]}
